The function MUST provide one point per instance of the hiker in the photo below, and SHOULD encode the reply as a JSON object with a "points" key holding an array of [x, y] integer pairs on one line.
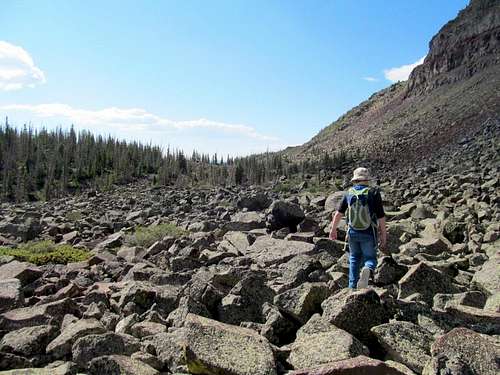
{"points": [[366, 227]]}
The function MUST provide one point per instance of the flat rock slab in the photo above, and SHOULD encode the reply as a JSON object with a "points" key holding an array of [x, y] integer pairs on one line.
{"points": [[37, 315], [119, 365], [214, 348], [488, 277], [270, 251], [24, 272], [360, 365]]}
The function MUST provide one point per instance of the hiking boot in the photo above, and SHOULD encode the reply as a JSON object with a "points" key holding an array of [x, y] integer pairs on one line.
{"points": [[364, 277]]}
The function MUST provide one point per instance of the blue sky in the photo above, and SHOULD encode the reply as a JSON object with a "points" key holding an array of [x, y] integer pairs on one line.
{"points": [[232, 77]]}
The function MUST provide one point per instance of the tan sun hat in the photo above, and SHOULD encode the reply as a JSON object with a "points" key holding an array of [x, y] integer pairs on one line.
{"points": [[361, 174]]}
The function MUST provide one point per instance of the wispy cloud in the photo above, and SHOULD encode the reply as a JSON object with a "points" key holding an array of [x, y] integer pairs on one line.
{"points": [[131, 119], [371, 79], [17, 68], [401, 73]]}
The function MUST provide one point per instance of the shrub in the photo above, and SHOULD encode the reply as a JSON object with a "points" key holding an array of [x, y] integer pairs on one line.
{"points": [[44, 252], [146, 236]]}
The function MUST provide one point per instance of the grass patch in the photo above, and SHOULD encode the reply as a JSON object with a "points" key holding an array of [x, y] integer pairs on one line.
{"points": [[44, 252], [146, 236]]}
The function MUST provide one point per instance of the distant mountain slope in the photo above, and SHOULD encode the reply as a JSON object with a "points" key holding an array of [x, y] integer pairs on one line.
{"points": [[447, 98]]}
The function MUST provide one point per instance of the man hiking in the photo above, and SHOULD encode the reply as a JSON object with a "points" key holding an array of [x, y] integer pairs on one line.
{"points": [[366, 227]]}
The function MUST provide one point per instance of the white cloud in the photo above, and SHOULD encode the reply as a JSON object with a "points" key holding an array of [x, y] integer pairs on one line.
{"points": [[130, 119], [17, 69], [370, 79], [401, 73]]}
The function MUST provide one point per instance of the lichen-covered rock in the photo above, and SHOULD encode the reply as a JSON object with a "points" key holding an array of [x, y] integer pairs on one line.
{"points": [[355, 312], [405, 342], [487, 279], [462, 351], [318, 342], [119, 365], [168, 347], [214, 348], [270, 251]]}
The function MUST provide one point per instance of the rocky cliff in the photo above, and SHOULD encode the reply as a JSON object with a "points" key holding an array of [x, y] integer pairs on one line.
{"points": [[450, 96]]}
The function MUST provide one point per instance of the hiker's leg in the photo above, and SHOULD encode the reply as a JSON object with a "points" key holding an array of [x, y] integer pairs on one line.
{"points": [[355, 260], [368, 248]]}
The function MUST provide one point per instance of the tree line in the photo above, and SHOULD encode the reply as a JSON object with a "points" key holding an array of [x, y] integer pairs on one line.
{"points": [[41, 164]]}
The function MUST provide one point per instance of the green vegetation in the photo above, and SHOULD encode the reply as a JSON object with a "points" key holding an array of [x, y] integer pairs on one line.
{"points": [[44, 252], [146, 236]]}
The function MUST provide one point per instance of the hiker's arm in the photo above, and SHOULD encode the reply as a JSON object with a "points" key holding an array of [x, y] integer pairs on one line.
{"points": [[335, 222], [382, 234]]}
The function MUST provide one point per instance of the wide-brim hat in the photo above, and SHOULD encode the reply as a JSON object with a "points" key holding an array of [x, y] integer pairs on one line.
{"points": [[361, 174]]}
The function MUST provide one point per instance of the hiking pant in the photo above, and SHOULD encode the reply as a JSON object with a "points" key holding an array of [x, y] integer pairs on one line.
{"points": [[362, 253]]}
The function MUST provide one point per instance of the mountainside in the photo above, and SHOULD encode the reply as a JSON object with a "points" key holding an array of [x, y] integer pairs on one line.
{"points": [[447, 98]]}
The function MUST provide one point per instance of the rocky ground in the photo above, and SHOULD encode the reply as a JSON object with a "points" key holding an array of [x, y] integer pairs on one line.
{"points": [[255, 286]]}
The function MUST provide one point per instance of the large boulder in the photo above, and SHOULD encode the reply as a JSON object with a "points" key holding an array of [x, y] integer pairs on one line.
{"points": [[427, 281], [303, 301], [245, 221], [405, 342], [61, 345], [24, 272], [50, 313], [11, 294], [318, 342], [355, 312], [283, 214], [214, 348], [269, 251], [332, 203], [119, 365], [29, 341], [359, 365], [244, 302], [168, 347], [91, 346], [462, 351]]}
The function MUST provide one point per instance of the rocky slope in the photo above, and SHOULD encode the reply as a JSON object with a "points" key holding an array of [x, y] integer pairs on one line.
{"points": [[450, 96], [255, 286]]}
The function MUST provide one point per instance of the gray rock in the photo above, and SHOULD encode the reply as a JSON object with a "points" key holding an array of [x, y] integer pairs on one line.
{"points": [[24, 272], [245, 221], [29, 341], [487, 279], [405, 342], [91, 346], [144, 329], [269, 251], [426, 281], [319, 342], [462, 351], [216, 348], [61, 345], [332, 203], [52, 313], [11, 294], [304, 301], [365, 305], [119, 365], [168, 347]]}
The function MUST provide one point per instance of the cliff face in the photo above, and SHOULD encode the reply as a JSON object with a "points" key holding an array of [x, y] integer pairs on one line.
{"points": [[447, 98], [463, 47]]}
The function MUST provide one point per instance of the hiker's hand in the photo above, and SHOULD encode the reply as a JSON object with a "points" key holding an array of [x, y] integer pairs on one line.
{"points": [[383, 242], [333, 234]]}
